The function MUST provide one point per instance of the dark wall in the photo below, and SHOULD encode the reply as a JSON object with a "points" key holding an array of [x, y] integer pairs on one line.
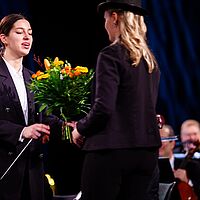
{"points": [[69, 31]]}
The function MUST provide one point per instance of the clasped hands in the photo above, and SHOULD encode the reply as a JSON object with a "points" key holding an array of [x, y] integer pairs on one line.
{"points": [[37, 131]]}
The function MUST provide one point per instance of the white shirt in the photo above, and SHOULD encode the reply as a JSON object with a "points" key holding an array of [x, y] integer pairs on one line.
{"points": [[171, 160]]}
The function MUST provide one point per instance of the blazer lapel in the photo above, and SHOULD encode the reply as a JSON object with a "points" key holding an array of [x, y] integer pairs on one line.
{"points": [[10, 89]]}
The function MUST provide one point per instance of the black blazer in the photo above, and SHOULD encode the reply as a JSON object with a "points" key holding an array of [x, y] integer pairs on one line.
{"points": [[123, 114], [192, 168], [11, 124]]}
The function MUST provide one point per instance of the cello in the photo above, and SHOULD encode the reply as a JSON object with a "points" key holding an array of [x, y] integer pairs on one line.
{"points": [[185, 190]]}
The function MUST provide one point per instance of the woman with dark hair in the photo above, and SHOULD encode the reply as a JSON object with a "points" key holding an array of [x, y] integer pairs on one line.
{"points": [[25, 180], [120, 133]]}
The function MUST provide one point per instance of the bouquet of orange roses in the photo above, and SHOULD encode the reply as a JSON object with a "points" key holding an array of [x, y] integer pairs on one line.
{"points": [[64, 88]]}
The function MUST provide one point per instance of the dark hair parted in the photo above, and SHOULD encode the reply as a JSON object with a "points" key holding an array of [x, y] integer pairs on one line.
{"points": [[6, 24]]}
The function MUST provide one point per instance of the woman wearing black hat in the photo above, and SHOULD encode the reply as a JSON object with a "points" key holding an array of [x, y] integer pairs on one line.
{"points": [[120, 134]]}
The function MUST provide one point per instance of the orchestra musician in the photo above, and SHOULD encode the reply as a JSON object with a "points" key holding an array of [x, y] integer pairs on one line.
{"points": [[188, 171]]}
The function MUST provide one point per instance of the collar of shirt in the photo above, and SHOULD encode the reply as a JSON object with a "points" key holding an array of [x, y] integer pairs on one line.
{"points": [[171, 160], [12, 70]]}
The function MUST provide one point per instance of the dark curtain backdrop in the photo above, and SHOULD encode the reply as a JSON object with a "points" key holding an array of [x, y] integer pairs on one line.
{"points": [[173, 33], [75, 32]]}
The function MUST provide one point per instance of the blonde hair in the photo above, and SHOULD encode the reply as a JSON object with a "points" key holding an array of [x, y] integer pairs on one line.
{"points": [[133, 36]]}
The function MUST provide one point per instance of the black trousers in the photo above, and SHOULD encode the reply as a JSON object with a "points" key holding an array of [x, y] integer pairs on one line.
{"points": [[118, 174]]}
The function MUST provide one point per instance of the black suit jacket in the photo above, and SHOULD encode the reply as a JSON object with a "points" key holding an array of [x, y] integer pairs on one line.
{"points": [[192, 168], [12, 123], [123, 114]]}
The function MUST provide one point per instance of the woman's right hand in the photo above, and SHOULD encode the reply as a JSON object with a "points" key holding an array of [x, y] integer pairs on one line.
{"points": [[181, 174], [36, 131]]}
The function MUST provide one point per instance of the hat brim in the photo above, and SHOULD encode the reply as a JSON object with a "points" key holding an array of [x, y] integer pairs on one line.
{"points": [[102, 7]]}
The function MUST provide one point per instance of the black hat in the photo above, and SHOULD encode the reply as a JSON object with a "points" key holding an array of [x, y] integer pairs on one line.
{"points": [[127, 5]]}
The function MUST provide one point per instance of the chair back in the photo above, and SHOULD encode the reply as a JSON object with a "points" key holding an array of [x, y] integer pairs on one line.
{"points": [[165, 190]]}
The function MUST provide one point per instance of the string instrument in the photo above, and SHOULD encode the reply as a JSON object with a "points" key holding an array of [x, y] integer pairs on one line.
{"points": [[185, 190]]}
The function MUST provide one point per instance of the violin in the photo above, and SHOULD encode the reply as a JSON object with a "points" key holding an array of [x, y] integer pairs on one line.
{"points": [[185, 190]]}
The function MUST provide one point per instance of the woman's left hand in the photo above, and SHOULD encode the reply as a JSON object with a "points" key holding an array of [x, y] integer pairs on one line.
{"points": [[77, 138]]}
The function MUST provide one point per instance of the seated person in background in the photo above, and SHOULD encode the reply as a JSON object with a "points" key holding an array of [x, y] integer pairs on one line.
{"points": [[167, 148], [167, 159], [188, 169], [164, 173], [190, 134]]}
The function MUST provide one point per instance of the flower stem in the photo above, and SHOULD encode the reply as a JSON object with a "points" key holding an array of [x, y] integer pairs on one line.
{"points": [[66, 132]]}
